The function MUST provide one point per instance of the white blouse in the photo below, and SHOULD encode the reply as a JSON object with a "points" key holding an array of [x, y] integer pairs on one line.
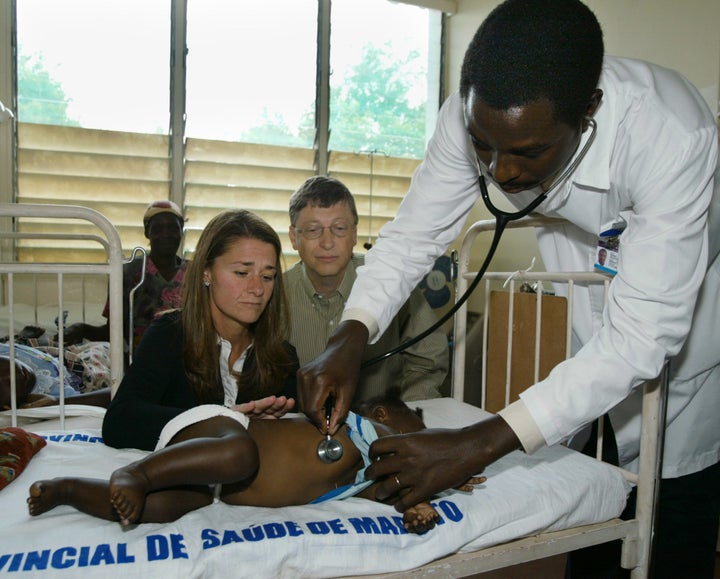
{"points": [[228, 380]]}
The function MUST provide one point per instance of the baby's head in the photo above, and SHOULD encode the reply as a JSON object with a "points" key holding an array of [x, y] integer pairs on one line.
{"points": [[24, 381], [389, 409]]}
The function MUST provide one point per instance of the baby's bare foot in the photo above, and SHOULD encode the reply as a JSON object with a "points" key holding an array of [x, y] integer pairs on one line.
{"points": [[46, 495], [128, 489], [420, 518]]}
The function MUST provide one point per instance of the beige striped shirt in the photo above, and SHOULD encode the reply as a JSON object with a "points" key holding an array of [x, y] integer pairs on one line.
{"points": [[419, 371]]}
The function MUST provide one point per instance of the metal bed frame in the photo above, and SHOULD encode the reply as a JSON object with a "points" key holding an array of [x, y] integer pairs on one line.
{"points": [[107, 238], [636, 533]]}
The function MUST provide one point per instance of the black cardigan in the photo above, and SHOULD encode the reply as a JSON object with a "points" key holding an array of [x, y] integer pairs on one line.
{"points": [[155, 387]]}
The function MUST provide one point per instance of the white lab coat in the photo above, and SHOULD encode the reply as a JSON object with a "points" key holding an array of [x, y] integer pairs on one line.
{"points": [[652, 163]]}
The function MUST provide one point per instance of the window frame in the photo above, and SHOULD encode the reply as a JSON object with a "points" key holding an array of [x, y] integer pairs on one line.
{"points": [[177, 142]]}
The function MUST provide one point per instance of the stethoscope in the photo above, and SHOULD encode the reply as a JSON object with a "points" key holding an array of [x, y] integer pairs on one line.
{"points": [[331, 447]]}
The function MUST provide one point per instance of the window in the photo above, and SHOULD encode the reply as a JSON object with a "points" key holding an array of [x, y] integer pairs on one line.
{"points": [[96, 65], [251, 71], [93, 98], [95, 126], [384, 99], [380, 96]]}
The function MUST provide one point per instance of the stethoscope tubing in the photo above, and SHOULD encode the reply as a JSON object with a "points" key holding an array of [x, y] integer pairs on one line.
{"points": [[502, 219]]}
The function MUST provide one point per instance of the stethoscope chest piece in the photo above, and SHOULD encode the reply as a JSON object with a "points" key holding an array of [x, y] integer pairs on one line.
{"points": [[330, 450]]}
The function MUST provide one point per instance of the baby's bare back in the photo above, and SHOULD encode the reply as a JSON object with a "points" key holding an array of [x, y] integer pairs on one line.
{"points": [[291, 473]]}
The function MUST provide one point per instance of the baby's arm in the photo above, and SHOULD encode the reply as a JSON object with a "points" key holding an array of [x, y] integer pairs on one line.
{"points": [[469, 486], [423, 516]]}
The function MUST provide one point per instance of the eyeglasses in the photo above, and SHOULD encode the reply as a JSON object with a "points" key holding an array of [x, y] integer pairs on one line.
{"points": [[315, 230]]}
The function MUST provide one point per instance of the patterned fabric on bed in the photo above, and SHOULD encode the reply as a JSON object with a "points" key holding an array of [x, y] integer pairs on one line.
{"points": [[88, 362], [46, 367], [92, 359], [17, 447]]}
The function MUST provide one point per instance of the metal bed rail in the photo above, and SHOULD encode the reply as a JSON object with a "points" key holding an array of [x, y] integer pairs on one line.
{"points": [[635, 533], [109, 240]]}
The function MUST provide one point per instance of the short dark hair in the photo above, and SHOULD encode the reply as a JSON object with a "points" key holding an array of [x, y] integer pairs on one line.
{"points": [[527, 50], [390, 399], [321, 191]]}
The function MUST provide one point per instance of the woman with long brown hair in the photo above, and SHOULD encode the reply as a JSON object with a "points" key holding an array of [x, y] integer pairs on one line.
{"points": [[225, 349]]}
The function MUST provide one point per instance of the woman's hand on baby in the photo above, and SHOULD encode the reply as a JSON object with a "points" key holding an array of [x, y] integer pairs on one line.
{"points": [[270, 407]]}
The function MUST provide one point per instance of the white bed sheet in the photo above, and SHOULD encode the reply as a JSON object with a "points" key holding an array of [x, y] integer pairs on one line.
{"points": [[551, 490]]}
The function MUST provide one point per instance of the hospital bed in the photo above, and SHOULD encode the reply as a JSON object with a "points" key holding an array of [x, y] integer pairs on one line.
{"points": [[48, 296], [530, 507]]}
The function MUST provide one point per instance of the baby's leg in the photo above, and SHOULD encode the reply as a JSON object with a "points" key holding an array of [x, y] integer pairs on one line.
{"points": [[217, 450], [90, 496], [420, 518], [169, 505], [133, 501]]}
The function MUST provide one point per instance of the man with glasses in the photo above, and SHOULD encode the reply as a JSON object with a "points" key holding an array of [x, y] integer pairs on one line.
{"points": [[323, 230]]}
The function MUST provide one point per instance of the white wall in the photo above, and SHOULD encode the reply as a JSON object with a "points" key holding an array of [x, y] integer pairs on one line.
{"points": [[680, 35]]}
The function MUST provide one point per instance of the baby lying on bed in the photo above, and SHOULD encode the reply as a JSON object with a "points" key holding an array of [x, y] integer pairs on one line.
{"points": [[37, 381], [288, 472]]}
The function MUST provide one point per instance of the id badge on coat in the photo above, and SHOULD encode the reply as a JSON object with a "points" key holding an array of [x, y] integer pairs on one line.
{"points": [[607, 253]]}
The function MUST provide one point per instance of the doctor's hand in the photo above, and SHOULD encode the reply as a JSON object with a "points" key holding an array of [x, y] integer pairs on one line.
{"points": [[333, 374], [412, 468]]}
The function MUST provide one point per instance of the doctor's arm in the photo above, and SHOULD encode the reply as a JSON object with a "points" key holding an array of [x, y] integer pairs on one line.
{"points": [[333, 374]]}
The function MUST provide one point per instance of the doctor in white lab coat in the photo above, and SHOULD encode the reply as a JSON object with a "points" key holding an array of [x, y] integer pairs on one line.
{"points": [[651, 167]]}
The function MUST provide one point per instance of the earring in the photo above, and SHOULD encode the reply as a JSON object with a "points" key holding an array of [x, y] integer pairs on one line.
{"points": [[206, 282]]}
